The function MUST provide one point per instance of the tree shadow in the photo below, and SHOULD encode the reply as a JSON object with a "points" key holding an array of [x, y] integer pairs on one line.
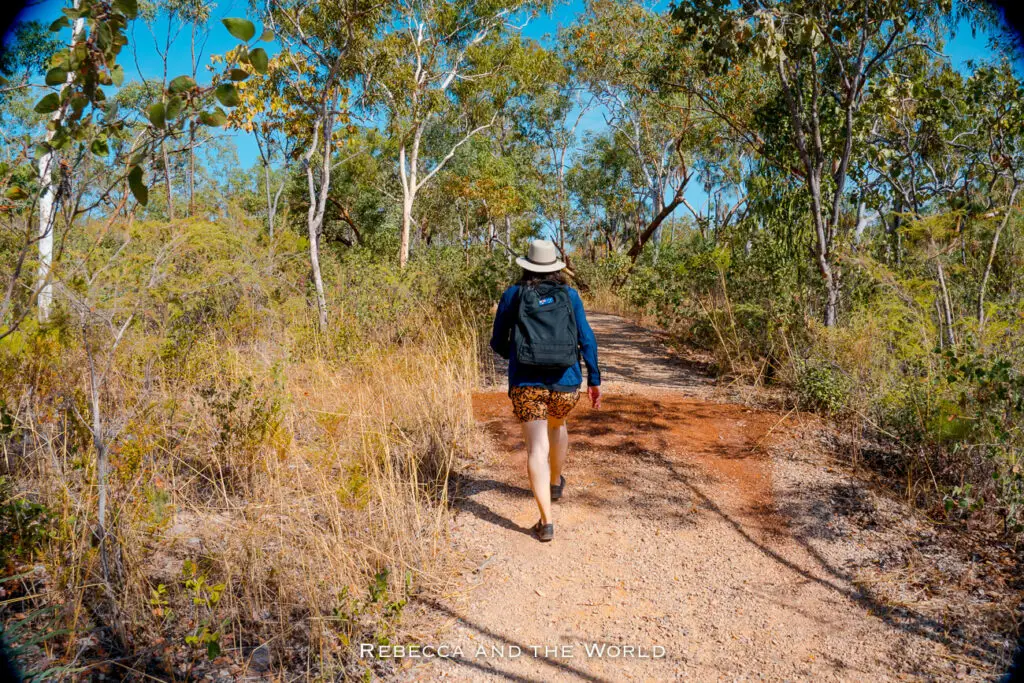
{"points": [[558, 665], [904, 619], [632, 444], [619, 341], [467, 487]]}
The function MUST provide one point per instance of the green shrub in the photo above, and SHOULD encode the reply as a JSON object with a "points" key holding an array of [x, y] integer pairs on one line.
{"points": [[24, 525], [822, 387], [991, 410]]}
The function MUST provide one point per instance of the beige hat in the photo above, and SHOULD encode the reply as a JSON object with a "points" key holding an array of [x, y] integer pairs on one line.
{"points": [[541, 258]]}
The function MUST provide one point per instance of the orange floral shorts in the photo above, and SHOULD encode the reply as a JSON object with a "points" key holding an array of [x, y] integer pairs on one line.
{"points": [[540, 403]]}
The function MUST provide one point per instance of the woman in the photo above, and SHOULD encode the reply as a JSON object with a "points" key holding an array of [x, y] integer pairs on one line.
{"points": [[540, 327]]}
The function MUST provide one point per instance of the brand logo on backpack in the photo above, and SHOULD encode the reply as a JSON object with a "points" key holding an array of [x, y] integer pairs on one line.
{"points": [[546, 300]]}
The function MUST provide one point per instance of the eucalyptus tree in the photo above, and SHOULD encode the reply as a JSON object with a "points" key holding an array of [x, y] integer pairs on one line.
{"points": [[822, 56], [603, 192], [83, 126], [921, 159], [273, 108], [943, 155], [175, 16], [552, 121], [25, 54], [324, 44], [997, 92], [615, 49], [447, 67]]}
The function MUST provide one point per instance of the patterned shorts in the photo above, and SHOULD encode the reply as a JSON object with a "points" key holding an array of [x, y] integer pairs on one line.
{"points": [[540, 403]]}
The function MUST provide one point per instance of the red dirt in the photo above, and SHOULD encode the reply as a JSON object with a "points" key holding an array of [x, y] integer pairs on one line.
{"points": [[675, 532]]}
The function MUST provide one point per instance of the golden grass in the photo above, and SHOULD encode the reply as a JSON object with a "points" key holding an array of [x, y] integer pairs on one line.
{"points": [[303, 484]]}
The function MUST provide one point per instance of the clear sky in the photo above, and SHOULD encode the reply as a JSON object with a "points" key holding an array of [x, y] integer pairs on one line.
{"points": [[144, 61]]}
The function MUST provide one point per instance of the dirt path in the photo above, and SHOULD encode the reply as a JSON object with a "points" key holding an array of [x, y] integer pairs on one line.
{"points": [[684, 533]]}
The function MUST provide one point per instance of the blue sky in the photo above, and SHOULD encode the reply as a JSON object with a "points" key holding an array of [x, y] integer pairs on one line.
{"points": [[962, 47]]}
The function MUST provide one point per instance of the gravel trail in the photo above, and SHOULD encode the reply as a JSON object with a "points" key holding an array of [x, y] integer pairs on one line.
{"points": [[692, 544]]}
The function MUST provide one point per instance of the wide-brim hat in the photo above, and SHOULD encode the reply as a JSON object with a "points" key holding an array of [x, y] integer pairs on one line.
{"points": [[542, 257]]}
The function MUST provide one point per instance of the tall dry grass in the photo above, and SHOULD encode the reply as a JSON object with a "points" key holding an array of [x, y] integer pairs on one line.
{"points": [[276, 493]]}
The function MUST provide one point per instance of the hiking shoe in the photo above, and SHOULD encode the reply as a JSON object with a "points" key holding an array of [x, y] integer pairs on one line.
{"points": [[556, 489], [544, 532]]}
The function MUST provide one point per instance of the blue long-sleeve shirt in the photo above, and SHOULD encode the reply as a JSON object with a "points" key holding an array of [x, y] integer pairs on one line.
{"points": [[568, 379]]}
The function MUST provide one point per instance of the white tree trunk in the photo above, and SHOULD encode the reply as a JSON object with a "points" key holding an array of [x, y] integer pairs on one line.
{"points": [[48, 200], [317, 208], [508, 237], [318, 280], [47, 215], [407, 174], [991, 259], [403, 253]]}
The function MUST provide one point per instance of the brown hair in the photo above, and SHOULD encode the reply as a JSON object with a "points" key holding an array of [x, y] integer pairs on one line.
{"points": [[530, 278]]}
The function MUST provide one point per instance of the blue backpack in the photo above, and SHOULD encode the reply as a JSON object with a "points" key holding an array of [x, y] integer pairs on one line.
{"points": [[545, 334]]}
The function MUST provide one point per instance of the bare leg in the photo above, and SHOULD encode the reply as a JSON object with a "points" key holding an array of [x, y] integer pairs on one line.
{"points": [[558, 437], [536, 434]]}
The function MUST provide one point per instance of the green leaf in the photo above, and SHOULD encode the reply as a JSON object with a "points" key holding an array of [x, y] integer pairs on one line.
{"points": [[238, 74], [15, 192], [40, 151], [139, 189], [227, 95], [174, 107], [215, 118], [61, 23], [267, 36], [157, 115], [243, 29], [129, 8], [259, 60], [99, 147], [56, 77], [48, 104], [181, 84], [117, 75], [60, 60]]}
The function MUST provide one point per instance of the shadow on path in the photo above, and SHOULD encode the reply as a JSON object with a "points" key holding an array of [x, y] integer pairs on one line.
{"points": [[560, 666]]}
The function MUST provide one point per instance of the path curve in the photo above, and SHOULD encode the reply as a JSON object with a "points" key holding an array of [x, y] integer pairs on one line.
{"points": [[679, 535]]}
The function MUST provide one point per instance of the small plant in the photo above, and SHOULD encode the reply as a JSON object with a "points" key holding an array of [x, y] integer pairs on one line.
{"points": [[962, 500], [822, 388], [206, 597], [159, 604], [246, 416], [373, 618]]}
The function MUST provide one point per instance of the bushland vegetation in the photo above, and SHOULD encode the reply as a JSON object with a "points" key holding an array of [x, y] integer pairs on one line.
{"points": [[232, 399]]}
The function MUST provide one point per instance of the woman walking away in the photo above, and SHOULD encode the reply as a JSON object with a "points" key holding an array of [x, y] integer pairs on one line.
{"points": [[540, 327]]}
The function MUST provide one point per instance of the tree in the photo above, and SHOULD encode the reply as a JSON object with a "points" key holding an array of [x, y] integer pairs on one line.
{"points": [[551, 121], [324, 46], [620, 52], [823, 56], [996, 91], [272, 108], [443, 66], [48, 163], [177, 15]]}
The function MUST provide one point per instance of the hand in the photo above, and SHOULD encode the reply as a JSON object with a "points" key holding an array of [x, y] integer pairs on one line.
{"points": [[595, 396]]}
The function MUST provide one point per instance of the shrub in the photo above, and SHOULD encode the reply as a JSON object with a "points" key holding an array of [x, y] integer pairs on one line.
{"points": [[25, 525], [822, 387]]}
